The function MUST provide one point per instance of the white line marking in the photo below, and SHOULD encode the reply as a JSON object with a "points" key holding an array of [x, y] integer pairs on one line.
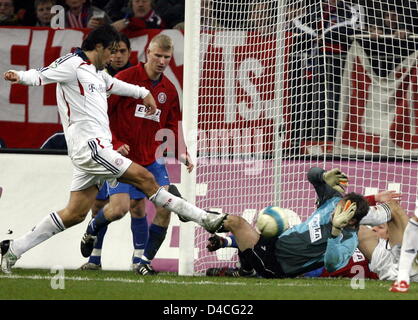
{"points": [[264, 282]]}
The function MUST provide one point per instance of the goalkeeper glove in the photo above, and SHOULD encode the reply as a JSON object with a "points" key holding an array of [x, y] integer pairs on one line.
{"points": [[342, 215], [215, 242], [336, 180]]}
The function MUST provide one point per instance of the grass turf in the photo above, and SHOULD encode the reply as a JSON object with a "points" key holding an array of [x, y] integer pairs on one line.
{"points": [[36, 284]]}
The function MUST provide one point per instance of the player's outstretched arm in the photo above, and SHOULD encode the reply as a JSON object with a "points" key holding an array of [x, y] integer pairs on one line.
{"points": [[323, 190], [61, 70], [387, 195], [30, 77], [122, 88], [11, 76]]}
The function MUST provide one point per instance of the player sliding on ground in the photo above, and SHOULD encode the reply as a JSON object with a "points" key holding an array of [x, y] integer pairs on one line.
{"points": [[332, 183], [383, 207], [82, 89], [328, 238]]}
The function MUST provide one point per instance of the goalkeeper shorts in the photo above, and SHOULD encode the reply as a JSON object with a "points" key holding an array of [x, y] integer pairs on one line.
{"points": [[263, 259]]}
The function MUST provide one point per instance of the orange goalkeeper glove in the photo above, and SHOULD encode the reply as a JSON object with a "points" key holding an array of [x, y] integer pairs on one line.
{"points": [[342, 215], [336, 180]]}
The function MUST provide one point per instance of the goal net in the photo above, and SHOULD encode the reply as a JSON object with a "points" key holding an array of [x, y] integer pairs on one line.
{"points": [[280, 86]]}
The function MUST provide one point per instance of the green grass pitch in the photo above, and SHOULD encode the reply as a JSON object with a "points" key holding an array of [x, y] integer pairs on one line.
{"points": [[30, 284]]}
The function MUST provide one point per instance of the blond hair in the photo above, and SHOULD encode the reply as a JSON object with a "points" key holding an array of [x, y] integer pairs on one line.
{"points": [[162, 41]]}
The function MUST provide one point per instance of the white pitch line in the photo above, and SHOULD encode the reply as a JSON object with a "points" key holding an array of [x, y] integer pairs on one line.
{"points": [[39, 277], [174, 282]]}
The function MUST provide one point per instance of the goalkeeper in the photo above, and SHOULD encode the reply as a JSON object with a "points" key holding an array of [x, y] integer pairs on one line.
{"points": [[327, 238]]}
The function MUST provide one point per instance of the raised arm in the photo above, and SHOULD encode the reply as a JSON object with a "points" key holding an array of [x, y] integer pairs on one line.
{"points": [[323, 190]]}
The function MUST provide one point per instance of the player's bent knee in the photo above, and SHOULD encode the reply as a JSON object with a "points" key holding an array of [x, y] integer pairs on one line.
{"points": [[137, 214], [142, 179], [162, 217], [119, 212], [71, 218]]}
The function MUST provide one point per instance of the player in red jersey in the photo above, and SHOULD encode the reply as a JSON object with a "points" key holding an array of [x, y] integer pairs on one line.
{"points": [[142, 137]]}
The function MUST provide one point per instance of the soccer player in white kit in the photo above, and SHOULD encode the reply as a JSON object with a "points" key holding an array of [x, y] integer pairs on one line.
{"points": [[386, 246], [82, 90]]}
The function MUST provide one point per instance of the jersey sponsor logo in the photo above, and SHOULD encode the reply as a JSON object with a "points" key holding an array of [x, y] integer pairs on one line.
{"points": [[119, 161], [358, 256], [100, 88], [162, 97], [141, 110], [315, 229]]}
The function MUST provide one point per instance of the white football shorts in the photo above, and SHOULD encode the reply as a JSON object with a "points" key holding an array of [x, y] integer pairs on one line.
{"points": [[95, 163]]}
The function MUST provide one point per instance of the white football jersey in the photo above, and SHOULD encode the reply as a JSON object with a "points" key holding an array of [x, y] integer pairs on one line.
{"points": [[385, 262], [82, 93]]}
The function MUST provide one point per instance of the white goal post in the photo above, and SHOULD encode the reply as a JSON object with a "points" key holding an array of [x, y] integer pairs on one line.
{"points": [[274, 87]]}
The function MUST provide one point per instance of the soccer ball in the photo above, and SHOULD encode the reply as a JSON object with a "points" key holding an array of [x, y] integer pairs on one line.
{"points": [[273, 221]]}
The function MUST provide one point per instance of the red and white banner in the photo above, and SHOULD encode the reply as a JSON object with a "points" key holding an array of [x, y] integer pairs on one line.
{"points": [[379, 114], [28, 115], [243, 94]]}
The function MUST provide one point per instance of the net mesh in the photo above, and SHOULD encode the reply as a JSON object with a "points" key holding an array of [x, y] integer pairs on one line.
{"points": [[287, 85]]}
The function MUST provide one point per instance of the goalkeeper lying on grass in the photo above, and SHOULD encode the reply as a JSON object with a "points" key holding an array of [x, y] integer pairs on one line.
{"points": [[327, 238], [384, 213]]}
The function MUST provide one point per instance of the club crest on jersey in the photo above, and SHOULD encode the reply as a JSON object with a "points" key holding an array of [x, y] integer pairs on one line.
{"points": [[315, 229], [162, 97]]}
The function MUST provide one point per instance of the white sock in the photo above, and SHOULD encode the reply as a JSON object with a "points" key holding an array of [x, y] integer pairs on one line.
{"points": [[96, 252], [408, 250], [138, 253], [45, 229], [165, 199], [377, 215]]}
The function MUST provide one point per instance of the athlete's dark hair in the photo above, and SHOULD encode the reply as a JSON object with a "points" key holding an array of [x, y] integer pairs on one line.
{"points": [[124, 38], [361, 203], [105, 35]]}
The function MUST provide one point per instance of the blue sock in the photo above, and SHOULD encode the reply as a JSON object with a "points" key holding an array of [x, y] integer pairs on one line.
{"points": [[96, 255], [156, 237], [139, 228], [231, 242], [97, 223]]}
